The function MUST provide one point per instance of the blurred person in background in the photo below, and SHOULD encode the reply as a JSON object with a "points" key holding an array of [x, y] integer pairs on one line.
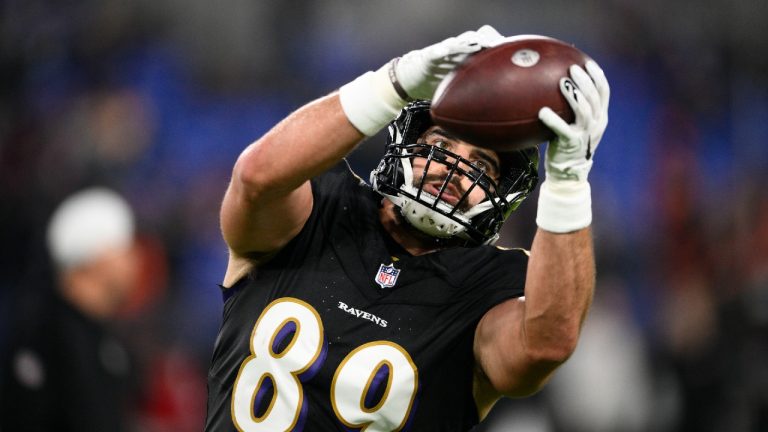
{"points": [[387, 306], [64, 369]]}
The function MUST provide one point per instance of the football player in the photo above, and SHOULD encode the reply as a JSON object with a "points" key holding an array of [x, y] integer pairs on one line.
{"points": [[386, 306]]}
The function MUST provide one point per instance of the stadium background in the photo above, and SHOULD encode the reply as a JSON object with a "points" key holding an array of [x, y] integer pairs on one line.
{"points": [[157, 98]]}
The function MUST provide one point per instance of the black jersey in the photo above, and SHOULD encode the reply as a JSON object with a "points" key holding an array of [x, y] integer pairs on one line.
{"points": [[63, 371], [336, 333]]}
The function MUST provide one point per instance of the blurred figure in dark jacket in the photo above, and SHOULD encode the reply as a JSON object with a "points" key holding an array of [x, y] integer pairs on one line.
{"points": [[64, 369]]}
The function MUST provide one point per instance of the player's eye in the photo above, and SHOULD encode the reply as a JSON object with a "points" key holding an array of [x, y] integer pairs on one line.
{"points": [[487, 167], [481, 165], [440, 144]]}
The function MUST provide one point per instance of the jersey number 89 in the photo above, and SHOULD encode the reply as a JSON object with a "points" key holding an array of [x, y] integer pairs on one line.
{"points": [[373, 387]]}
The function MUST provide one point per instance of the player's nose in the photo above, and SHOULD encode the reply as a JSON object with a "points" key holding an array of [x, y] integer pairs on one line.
{"points": [[441, 165]]}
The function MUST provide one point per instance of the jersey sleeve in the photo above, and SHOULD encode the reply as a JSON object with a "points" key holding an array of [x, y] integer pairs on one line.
{"points": [[503, 277], [336, 186], [333, 194], [483, 277]]}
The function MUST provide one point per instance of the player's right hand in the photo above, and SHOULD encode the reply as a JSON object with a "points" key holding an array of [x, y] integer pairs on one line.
{"points": [[569, 155], [419, 72]]}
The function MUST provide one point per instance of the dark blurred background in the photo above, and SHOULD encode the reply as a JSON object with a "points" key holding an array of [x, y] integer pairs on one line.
{"points": [[156, 98]]}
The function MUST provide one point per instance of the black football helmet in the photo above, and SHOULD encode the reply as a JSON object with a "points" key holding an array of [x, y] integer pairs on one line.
{"points": [[394, 179]]}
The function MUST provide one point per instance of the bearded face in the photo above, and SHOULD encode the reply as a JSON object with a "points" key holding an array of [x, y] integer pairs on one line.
{"points": [[452, 191]]}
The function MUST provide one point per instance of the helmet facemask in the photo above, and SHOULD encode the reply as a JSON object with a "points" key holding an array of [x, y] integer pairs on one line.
{"points": [[445, 212]]}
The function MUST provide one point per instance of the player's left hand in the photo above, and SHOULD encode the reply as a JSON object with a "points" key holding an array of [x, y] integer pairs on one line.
{"points": [[569, 155]]}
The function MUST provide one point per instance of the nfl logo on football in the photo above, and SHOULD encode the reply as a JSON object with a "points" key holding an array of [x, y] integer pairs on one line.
{"points": [[387, 275]]}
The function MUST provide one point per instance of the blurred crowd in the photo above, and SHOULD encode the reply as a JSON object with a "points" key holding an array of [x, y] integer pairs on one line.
{"points": [[155, 100]]}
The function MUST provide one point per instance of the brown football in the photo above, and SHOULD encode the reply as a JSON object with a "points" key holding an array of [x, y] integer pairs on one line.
{"points": [[493, 98]]}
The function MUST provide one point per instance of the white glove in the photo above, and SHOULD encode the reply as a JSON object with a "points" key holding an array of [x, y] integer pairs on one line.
{"points": [[565, 198], [375, 98], [421, 71], [569, 156]]}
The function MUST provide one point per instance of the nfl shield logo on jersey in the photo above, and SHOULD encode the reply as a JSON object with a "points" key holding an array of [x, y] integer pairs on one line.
{"points": [[387, 275]]}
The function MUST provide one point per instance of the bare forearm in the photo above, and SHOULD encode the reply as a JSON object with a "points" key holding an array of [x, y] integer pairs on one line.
{"points": [[269, 198], [558, 291], [305, 144]]}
